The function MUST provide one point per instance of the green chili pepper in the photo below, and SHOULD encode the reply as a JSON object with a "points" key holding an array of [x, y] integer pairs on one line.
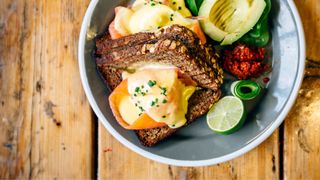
{"points": [[259, 35], [194, 6], [245, 89]]}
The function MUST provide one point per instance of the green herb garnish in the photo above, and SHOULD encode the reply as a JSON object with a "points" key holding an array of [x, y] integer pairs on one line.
{"points": [[141, 109], [152, 83], [163, 91], [137, 89]]}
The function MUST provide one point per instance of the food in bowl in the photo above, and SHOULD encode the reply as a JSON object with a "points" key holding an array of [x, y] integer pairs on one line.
{"points": [[166, 71], [164, 74]]}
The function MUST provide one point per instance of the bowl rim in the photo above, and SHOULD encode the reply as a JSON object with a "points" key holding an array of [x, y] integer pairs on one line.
{"points": [[190, 163]]}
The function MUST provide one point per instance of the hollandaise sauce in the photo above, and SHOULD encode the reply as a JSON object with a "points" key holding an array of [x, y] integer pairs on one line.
{"points": [[159, 93], [145, 15]]}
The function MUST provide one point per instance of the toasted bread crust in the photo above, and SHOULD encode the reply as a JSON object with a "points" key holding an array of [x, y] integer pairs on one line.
{"points": [[175, 45], [191, 57]]}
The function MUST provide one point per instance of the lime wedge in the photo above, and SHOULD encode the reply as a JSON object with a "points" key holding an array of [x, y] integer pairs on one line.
{"points": [[227, 115]]}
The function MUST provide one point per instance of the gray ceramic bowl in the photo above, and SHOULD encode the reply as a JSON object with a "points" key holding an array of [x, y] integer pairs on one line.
{"points": [[196, 145]]}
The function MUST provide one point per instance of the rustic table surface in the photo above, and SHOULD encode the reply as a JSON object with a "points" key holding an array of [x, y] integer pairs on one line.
{"points": [[48, 130]]}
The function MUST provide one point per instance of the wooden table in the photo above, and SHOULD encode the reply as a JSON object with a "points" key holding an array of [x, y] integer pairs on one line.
{"points": [[48, 130]]}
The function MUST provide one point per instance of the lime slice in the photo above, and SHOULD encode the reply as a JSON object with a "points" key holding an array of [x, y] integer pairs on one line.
{"points": [[227, 115]]}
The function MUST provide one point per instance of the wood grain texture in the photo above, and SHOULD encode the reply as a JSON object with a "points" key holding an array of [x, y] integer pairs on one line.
{"points": [[302, 134], [15, 89], [302, 126], [46, 128], [117, 162], [310, 14]]}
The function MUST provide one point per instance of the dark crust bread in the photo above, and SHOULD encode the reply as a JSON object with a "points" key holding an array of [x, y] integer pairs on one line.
{"points": [[174, 45]]}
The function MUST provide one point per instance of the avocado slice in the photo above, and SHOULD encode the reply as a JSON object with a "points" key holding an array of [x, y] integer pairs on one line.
{"points": [[226, 21]]}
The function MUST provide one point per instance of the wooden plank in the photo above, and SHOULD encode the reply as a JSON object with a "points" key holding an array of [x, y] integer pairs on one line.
{"points": [[15, 88], [45, 121], [62, 142], [310, 14], [301, 136], [117, 162]]}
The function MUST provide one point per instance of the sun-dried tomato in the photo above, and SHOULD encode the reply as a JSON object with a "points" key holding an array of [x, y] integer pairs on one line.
{"points": [[245, 62]]}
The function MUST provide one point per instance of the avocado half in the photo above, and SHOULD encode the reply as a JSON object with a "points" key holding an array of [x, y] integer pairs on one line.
{"points": [[226, 21]]}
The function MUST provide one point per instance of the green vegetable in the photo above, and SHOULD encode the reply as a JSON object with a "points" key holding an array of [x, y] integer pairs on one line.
{"points": [[245, 89], [226, 21], [152, 83], [259, 35], [193, 6]]}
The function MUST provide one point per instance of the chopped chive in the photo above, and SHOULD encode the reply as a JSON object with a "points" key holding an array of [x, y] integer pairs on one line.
{"points": [[141, 109], [157, 105], [156, 100], [153, 103], [164, 101], [135, 95], [163, 91], [160, 2], [137, 89], [179, 8], [164, 116], [174, 2], [153, 4], [140, 114], [142, 86], [152, 83]]}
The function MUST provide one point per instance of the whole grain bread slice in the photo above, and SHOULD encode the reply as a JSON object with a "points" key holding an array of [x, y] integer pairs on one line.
{"points": [[173, 45], [197, 60]]}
